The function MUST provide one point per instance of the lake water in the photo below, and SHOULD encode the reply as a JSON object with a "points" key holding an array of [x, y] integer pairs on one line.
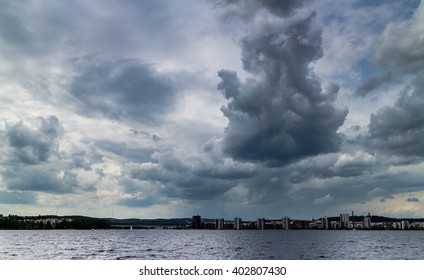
{"points": [[211, 244]]}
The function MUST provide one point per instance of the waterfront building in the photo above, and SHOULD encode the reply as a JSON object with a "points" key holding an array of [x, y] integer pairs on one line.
{"points": [[367, 222], [219, 223], [237, 223], [196, 222], [405, 225], [260, 223], [344, 221], [285, 223], [324, 223], [334, 225]]}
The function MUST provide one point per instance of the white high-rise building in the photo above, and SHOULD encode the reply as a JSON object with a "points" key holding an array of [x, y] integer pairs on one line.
{"points": [[285, 223], [344, 221], [367, 222], [219, 223], [405, 225], [324, 222], [237, 223]]}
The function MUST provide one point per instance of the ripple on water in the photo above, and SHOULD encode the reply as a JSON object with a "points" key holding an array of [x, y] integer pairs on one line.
{"points": [[191, 244]]}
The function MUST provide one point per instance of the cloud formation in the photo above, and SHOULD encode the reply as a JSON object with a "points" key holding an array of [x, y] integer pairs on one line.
{"points": [[399, 129], [398, 51], [280, 114], [120, 89], [316, 108], [32, 146]]}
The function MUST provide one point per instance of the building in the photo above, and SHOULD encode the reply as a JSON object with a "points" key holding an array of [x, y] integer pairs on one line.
{"points": [[260, 223], [324, 223], [334, 225], [367, 223], [219, 223], [405, 225], [344, 221], [196, 222], [285, 223], [237, 223]]}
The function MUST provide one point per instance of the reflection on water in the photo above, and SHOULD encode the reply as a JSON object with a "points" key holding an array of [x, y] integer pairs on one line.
{"points": [[210, 244]]}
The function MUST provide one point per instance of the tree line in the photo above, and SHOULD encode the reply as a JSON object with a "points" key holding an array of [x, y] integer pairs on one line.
{"points": [[13, 222]]}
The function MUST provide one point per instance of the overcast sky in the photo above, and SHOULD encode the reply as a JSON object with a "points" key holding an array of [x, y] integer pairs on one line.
{"points": [[221, 108]]}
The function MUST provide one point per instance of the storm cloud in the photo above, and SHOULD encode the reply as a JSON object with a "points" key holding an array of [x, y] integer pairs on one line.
{"points": [[280, 114], [34, 145], [122, 89], [398, 51], [399, 129]]}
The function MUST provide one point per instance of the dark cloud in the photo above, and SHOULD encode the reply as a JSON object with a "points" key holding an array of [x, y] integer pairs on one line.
{"points": [[85, 158], [34, 161], [220, 172], [191, 177], [399, 129], [154, 137], [246, 9], [137, 154], [334, 165], [123, 89], [413, 199], [398, 51], [281, 114], [372, 83], [42, 179], [34, 145], [17, 198]]}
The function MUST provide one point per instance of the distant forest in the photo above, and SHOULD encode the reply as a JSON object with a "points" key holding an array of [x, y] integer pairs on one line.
{"points": [[52, 222]]}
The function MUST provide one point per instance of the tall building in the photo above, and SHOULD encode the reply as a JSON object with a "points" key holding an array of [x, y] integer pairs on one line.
{"points": [[219, 223], [367, 222], [405, 225], [344, 221], [285, 223], [237, 223], [324, 223], [260, 223], [196, 222]]}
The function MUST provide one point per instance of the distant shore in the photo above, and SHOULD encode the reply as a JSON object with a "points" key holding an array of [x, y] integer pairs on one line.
{"points": [[49, 222]]}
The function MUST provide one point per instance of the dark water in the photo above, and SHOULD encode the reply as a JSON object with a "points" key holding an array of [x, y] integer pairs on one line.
{"points": [[208, 244]]}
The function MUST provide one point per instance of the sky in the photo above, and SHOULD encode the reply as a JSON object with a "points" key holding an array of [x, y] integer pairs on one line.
{"points": [[223, 108]]}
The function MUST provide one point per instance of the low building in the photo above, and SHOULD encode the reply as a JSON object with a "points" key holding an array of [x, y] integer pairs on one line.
{"points": [[334, 225]]}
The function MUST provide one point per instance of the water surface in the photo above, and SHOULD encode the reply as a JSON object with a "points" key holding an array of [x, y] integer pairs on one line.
{"points": [[210, 244]]}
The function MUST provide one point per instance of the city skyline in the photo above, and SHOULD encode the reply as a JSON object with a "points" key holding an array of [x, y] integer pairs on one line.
{"points": [[164, 108]]}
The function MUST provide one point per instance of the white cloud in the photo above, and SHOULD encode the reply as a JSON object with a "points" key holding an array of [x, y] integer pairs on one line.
{"points": [[323, 200]]}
